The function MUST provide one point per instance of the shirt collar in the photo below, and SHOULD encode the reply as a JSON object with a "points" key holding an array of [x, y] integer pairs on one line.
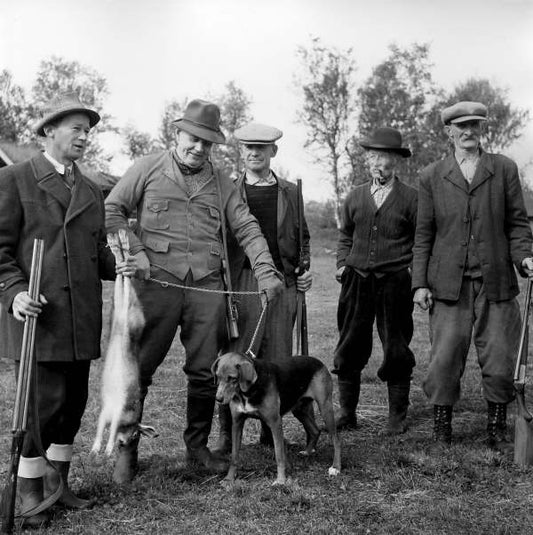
{"points": [[59, 167], [375, 185], [270, 180], [462, 156]]}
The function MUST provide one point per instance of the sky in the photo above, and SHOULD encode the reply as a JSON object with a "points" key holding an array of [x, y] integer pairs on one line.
{"points": [[154, 51]]}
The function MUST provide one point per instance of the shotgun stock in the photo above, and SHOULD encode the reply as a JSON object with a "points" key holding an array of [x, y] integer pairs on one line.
{"points": [[22, 396], [523, 445]]}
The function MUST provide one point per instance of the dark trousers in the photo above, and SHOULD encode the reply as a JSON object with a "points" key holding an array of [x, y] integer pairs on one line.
{"points": [[62, 391], [388, 300], [201, 318]]}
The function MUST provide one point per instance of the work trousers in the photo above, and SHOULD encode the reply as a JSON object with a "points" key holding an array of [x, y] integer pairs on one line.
{"points": [[200, 316], [62, 391], [388, 300], [273, 341], [495, 327]]}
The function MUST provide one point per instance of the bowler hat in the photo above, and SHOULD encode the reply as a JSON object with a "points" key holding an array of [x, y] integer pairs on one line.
{"points": [[61, 105], [257, 134], [201, 119], [464, 111], [386, 139]]}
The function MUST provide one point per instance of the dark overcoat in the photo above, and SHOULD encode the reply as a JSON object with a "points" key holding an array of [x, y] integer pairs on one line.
{"points": [[489, 213], [35, 203]]}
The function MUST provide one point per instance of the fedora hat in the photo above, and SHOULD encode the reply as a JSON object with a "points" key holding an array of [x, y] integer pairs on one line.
{"points": [[387, 139], [201, 119], [61, 105]]}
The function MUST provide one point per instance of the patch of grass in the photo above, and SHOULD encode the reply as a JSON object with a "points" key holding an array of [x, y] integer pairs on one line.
{"points": [[402, 485]]}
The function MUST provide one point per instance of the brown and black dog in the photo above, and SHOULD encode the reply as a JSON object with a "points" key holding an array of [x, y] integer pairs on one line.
{"points": [[258, 389]]}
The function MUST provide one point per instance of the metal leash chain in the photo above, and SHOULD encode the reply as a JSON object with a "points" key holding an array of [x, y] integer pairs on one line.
{"points": [[166, 284], [249, 350]]}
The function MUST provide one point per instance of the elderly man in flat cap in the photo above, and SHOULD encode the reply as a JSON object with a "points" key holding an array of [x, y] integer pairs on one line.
{"points": [[48, 197], [273, 201], [374, 254], [472, 232], [181, 202]]}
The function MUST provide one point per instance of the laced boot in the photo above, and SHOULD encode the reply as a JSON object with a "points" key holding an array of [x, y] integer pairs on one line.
{"points": [[224, 436], [497, 436], [398, 404], [348, 400], [30, 494], [51, 483], [443, 424]]}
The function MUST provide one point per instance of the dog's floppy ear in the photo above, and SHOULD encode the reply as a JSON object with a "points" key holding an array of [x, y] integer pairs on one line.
{"points": [[247, 375]]}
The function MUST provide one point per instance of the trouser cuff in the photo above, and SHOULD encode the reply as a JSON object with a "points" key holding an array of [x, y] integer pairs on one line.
{"points": [[32, 467], [60, 452]]}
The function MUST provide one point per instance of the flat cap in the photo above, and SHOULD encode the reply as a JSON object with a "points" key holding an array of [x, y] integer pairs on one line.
{"points": [[464, 111], [257, 134]]}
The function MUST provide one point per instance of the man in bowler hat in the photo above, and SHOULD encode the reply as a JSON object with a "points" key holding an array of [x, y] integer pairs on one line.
{"points": [[48, 197], [374, 254], [181, 201], [472, 232], [274, 202]]}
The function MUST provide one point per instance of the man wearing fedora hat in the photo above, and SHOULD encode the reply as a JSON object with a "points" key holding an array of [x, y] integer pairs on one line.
{"points": [[472, 231], [47, 197], [182, 203], [373, 257], [274, 202]]}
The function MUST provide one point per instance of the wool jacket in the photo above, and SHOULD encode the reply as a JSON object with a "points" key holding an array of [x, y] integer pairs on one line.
{"points": [[490, 211], [287, 233], [378, 240], [181, 232], [35, 203]]}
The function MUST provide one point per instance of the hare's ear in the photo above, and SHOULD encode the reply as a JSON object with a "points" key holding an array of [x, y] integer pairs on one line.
{"points": [[214, 367], [247, 375], [148, 431]]}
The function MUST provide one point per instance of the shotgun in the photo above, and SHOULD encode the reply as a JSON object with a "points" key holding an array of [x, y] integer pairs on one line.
{"points": [[22, 396], [302, 343], [523, 444]]}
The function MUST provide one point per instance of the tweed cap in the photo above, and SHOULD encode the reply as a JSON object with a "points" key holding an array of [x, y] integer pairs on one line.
{"points": [[61, 105], [464, 111], [201, 119], [257, 134]]}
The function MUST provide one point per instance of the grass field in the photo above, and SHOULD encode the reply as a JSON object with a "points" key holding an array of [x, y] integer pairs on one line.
{"points": [[387, 486]]}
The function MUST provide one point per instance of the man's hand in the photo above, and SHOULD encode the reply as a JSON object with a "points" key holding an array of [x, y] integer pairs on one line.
{"points": [[128, 267], [23, 306], [303, 281], [527, 264], [338, 274], [142, 265], [423, 298], [270, 289]]}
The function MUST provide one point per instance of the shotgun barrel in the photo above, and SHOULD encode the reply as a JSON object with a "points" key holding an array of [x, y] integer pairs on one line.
{"points": [[22, 396], [302, 340]]}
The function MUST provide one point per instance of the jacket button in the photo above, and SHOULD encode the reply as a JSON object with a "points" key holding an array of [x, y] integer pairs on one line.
{"points": [[463, 243], [93, 257], [2, 284], [66, 287], [465, 220]]}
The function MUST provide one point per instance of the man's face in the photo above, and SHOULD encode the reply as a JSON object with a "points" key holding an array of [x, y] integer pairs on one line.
{"points": [[257, 157], [381, 164], [466, 135], [192, 150], [67, 139]]}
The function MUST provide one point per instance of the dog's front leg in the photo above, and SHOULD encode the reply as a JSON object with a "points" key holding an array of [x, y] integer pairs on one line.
{"points": [[279, 448], [236, 440]]}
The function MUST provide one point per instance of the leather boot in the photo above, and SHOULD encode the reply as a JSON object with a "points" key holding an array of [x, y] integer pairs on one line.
{"points": [[497, 436], [224, 435], [30, 494], [348, 398], [67, 498], [199, 419], [398, 404], [443, 423]]}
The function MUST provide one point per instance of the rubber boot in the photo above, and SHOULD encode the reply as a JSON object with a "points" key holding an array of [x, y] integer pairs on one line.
{"points": [[443, 423], [67, 498], [199, 419], [348, 399], [224, 436], [497, 436], [30, 494], [398, 404]]}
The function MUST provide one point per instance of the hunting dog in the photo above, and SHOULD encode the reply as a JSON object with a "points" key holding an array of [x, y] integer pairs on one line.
{"points": [[120, 389], [265, 390]]}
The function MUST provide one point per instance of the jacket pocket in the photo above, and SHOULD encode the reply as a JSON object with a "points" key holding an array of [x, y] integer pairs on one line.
{"points": [[214, 260], [158, 246], [155, 215]]}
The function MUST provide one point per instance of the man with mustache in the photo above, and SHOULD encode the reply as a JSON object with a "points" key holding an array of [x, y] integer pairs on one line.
{"points": [[373, 257], [472, 232], [181, 202]]}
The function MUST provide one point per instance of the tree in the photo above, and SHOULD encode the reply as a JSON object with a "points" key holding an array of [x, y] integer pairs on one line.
{"points": [[138, 143], [57, 75], [326, 84], [167, 131], [400, 93], [14, 110], [234, 112]]}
